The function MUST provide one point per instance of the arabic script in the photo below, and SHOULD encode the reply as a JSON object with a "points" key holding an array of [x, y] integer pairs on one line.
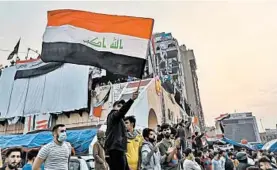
{"points": [[101, 43]]}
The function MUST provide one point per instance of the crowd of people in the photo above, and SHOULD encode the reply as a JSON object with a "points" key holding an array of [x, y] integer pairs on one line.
{"points": [[166, 148], [122, 147]]}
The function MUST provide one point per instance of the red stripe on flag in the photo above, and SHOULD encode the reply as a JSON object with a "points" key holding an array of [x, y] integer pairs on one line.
{"points": [[42, 127], [42, 121], [27, 61]]}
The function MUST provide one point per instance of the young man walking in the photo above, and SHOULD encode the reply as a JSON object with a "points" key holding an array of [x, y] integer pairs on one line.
{"points": [[56, 154]]}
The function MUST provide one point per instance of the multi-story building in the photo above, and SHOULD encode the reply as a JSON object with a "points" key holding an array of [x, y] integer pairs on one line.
{"points": [[191, 84], [268, 135], [166, 59], [241, 126]]}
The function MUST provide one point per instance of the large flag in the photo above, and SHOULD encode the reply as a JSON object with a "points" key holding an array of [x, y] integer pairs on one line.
{"points": [[15, 51], [34, 67], [118, 44], [219, 123]]}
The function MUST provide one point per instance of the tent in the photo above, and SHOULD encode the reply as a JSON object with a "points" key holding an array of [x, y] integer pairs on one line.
{"points": [[79, 139]]}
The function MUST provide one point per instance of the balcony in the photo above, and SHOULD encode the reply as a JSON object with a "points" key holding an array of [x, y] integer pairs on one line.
{"points": [[169, 45], [170, 54]]}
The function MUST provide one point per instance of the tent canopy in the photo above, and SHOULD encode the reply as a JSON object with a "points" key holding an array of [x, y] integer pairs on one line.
{"points": [[79, 139], [232, 142], [271, 146]]}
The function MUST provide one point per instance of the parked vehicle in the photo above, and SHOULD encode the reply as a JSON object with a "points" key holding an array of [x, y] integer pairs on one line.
{"points": [[81, 163]]}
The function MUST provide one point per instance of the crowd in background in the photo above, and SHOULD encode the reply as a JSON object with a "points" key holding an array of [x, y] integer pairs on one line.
{"points": [[122, 147], [163, 149], [167, 148]]}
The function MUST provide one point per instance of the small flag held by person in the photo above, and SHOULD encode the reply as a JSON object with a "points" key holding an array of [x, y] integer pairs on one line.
{"points": [[118, 44], [15, 51]]}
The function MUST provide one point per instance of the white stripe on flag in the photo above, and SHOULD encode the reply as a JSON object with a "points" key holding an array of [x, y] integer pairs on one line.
{"points": [[130, 46]]}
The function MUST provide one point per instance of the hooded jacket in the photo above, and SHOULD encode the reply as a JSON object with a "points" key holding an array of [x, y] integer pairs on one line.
{"points": [[154, 163], [133, 148]]}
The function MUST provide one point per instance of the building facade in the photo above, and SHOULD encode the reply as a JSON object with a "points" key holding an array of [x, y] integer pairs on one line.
{"points": [[268, 135], [166, 61], [241, 126], [191, 84]]}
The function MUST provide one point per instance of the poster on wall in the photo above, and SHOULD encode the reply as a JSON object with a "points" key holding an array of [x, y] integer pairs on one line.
{"points": [[100, 97], [117, 90]]}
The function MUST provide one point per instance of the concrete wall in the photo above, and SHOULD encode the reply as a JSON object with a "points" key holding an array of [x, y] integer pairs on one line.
{"points": [[172, 109], [154, 101], [268, 136], [190, 89], [11, 129]]}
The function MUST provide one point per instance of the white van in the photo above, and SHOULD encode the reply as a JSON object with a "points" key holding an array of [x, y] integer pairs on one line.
{"points": [[85, 162]]}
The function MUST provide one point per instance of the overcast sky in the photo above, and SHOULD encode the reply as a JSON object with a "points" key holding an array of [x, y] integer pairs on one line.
{"points": [[234, 43]]}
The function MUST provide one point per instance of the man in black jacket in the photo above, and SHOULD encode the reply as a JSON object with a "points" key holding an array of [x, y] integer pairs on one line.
{"points": [[116, 133], [229, 165], [198, 141]]}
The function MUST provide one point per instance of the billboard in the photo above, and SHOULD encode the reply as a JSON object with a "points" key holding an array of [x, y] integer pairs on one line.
{"points": [[162, 37]]}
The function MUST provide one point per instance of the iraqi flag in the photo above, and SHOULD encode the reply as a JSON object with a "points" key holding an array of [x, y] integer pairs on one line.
{"points": [[118, 44], [34, 67]]}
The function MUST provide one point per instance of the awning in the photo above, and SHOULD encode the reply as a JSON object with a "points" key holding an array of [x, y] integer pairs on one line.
{"points": [[79, 139]]}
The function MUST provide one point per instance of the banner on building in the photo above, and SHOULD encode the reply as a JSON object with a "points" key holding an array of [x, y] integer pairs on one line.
{"points": [[37, 122], [223, 147], [163, 37]]}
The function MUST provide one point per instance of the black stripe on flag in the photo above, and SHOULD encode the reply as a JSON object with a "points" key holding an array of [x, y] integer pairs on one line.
{"points": [[80, 54], [44, 69]]}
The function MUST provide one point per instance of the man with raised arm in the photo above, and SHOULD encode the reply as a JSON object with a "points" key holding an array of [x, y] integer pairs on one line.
{"points": [[116, 134]]}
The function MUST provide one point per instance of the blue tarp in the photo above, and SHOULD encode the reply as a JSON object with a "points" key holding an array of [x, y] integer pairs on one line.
{"points": [[232, 142], [271, 146], [259, 146], [79, 139]]}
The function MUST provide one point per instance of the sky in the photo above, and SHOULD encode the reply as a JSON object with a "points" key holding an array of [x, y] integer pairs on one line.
{"points": [[234, 44]]}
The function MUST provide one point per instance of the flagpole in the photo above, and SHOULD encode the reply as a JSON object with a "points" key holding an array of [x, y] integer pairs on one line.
{"points": [[138, 85], [26, 58]]}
